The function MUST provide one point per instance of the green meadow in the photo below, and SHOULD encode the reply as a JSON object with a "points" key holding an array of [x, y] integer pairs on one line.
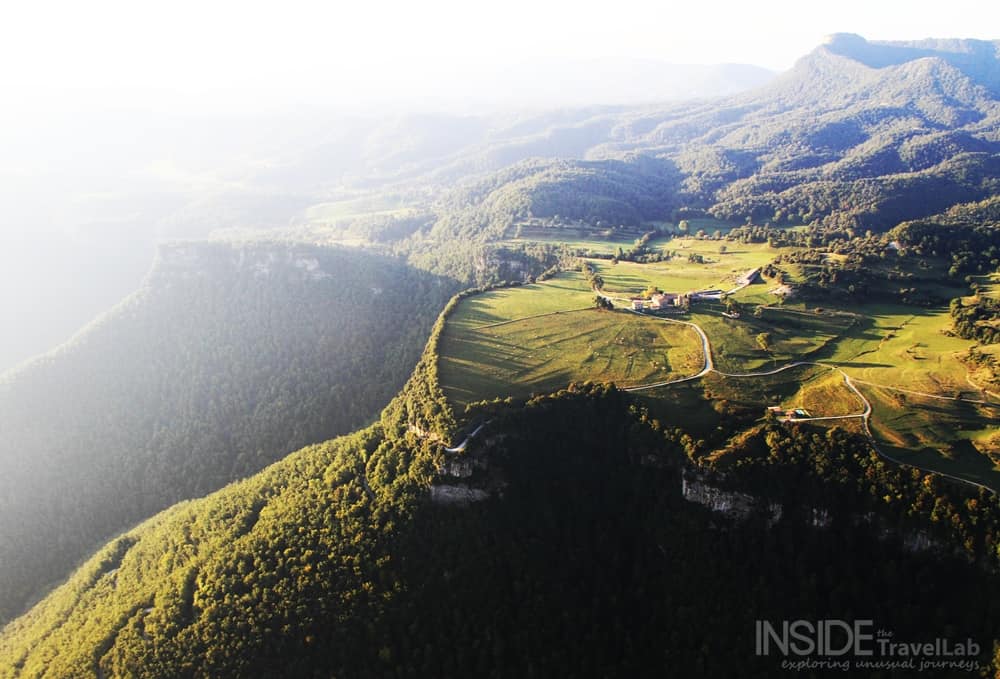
{"points": [[718, 270], [592, 244], [817, 389], [542, 353], [566, 291], [904, 346], [792, 336], [953, 437]]}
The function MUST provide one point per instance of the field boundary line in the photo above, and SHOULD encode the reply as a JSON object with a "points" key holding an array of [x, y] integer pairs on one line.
{"points": [[528, 318]]}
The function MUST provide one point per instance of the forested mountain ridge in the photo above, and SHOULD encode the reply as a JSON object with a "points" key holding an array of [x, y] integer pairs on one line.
{"points": [[975, 58], [836, 141], [228, 358]]}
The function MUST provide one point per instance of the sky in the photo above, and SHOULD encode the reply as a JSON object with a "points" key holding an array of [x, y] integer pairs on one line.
{"points": [[208, 53]]}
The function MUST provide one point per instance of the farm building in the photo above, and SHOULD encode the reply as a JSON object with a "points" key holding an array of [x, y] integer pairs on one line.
{"points": [[638, 304], [664, 300], [791, 413], [705, 294], [749, 277]]}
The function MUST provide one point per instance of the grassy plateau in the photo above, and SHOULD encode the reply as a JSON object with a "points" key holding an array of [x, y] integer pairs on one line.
{"points": [[541, 337]]}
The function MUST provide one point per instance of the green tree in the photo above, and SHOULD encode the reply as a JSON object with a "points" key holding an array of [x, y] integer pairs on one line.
{"points": [[764, 341]]}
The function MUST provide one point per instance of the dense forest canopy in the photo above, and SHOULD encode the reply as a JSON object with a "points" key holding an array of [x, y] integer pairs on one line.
{"points": [[589, 561], [230, 357]]}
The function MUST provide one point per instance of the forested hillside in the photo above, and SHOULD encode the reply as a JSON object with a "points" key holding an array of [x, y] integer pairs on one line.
{"points": [[228, 358], [588, 562]]}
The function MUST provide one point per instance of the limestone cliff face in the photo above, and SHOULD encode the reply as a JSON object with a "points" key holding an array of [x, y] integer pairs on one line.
{"points": [[464, 473], [456, 494], [734, 504], [739, 506]]}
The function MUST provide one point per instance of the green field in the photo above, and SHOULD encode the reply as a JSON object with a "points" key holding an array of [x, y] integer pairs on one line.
{"points": [[758, 393], [904, 345], [591, 244], [819, 390], [948, 436], [566, 291], [714, 408], [720, 270], [539, 354], [794, 336], [826, 395]]}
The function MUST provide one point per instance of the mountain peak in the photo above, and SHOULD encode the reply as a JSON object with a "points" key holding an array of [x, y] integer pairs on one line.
{"points": [[882, 53], [977, 59]]}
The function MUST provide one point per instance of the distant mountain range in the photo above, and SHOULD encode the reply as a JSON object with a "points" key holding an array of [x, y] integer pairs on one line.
{"points": [[835, 140]]}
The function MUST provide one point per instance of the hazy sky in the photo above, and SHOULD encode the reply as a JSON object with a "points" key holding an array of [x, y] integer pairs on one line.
{"points": [[185, 51]]}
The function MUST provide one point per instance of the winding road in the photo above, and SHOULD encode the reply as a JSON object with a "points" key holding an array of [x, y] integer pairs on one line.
{"points": [[864, 415]]}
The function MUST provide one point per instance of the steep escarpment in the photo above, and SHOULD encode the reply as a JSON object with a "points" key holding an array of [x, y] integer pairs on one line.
{"points": [[228, 358]]}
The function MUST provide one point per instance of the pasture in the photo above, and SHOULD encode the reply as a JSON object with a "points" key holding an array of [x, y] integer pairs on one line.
{"points": [[904, 345], [949, 436], [590, 244], [566, 291], [678, 274], [538, 354], [792, 336]]}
